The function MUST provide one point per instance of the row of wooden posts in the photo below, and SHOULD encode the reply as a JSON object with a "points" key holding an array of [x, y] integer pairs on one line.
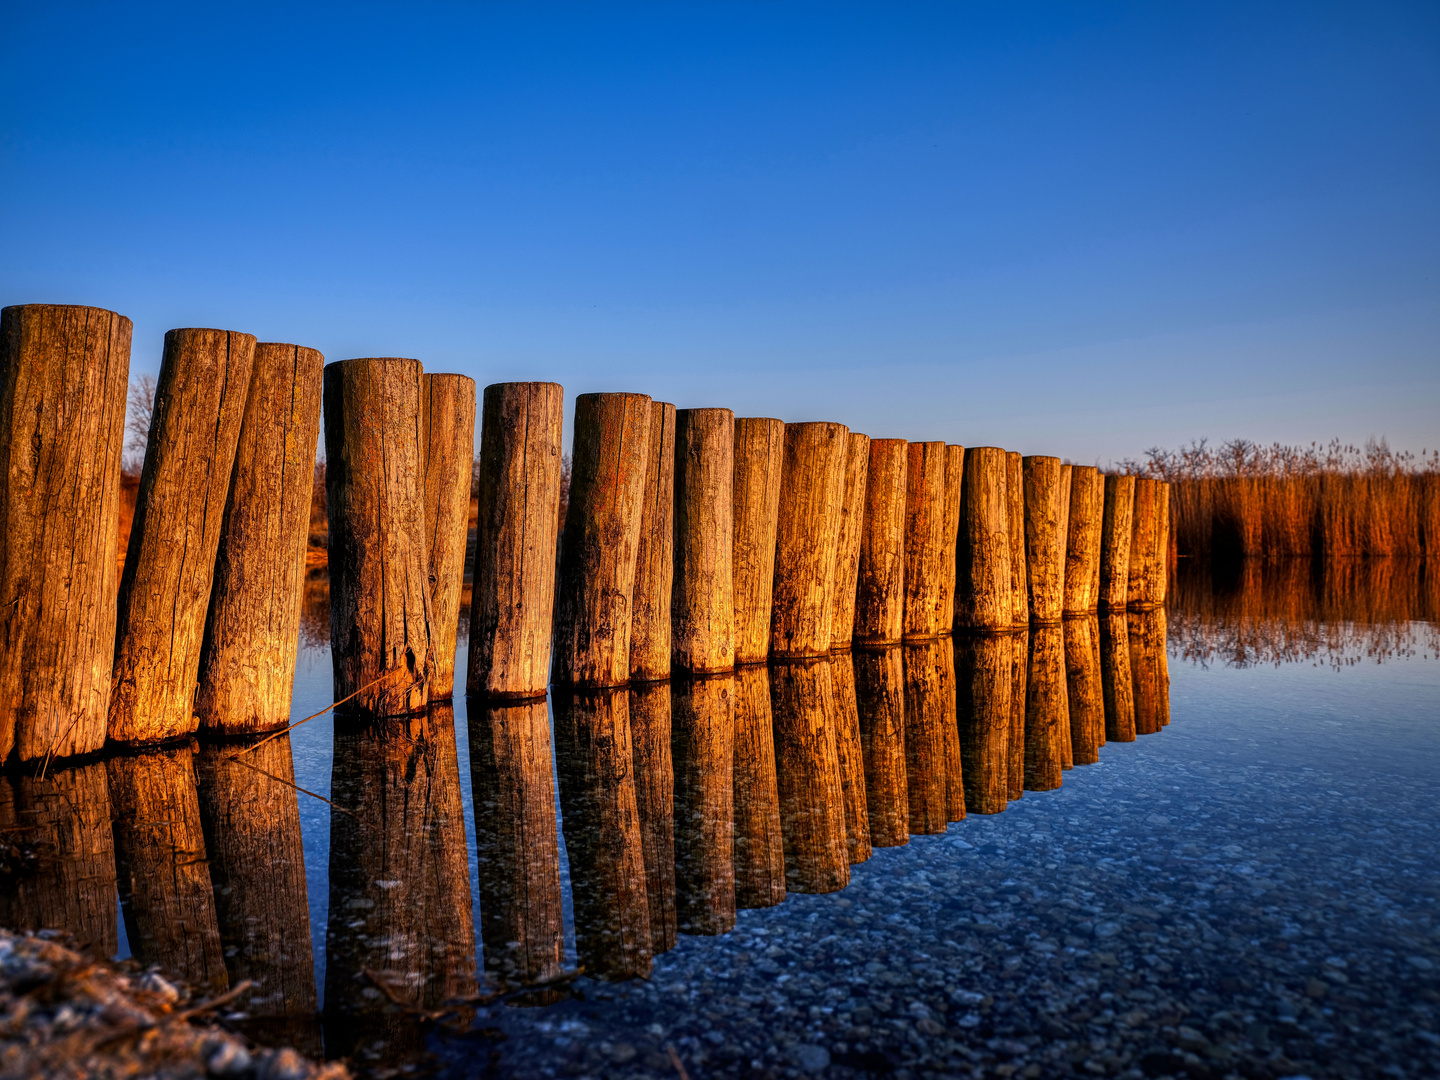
{"points": [[694, 541]]}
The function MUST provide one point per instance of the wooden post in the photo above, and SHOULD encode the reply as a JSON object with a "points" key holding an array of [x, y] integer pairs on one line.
{"points": [[66, 815], [655, 799], [399, 873], [1044, 539], [63, 373], [811, 489], [982, 575], [447, 441], [702, 611], [1147, 550], [927, 748], [601, 819], [1019, 683], [982, 691], [1066, 473], [1115, 531], [1115, 678], [1082, 541], [759, 464], [807, 773], [702, 744], [170, 564], [880, 682], [247, 657], [257, 865], [847, 542], [655, 557], [1015, 517], [759, 845], [851, 758], [166, 898], [954, 484], [880, 588], [513, 591], [602, 532], [1082, 681], [924, 541], [517, 845], [1165, 549], [1047, 726], [1149, 670], [380, 615]]}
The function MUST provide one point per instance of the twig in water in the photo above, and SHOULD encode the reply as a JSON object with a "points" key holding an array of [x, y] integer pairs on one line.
{"points": [[312, 716], [675, 1060], [297, 787]]}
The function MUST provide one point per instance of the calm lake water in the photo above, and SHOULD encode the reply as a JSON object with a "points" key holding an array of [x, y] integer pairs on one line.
{"points": [[1216, 857]]}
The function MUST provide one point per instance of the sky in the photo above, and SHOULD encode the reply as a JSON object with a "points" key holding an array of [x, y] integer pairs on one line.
{"points": [[1070, 229]]}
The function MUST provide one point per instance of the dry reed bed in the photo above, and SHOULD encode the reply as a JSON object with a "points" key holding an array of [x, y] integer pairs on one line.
{"points": [[1334, 501]]}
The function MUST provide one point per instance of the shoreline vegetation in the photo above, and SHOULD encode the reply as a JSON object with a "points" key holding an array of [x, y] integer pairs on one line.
{"points": [[1241, 500]]}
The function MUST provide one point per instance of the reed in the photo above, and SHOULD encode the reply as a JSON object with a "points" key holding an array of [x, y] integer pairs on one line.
{"points": [[1337, 501]]}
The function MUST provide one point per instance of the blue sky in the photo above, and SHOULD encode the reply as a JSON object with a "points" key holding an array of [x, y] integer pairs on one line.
{"points": [[1078, 229]]}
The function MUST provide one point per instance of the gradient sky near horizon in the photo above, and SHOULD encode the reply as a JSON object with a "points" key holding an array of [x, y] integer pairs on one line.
{"points": [[1076, 229]]}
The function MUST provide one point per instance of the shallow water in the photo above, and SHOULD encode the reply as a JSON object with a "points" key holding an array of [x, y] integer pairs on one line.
{"points": [[1246, 890]]}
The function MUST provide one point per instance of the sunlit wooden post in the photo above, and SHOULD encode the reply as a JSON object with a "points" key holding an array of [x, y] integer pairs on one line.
{"points": [[63, 373], [1044, 538], [447, 438], [655, 555], [982, 578], [1082, 541], [1145, 583], [513, 589], [880, 587], [811, 498], [924, 541], [247, 661], [847, 543], [381, 623], [954, 480], [1116, 521], [702, 625], [1019, 560], [602, 532], [170, 565], [759, 463]]}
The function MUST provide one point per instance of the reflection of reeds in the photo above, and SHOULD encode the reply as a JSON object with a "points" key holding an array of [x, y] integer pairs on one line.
{"points": [[1280, 501], [1342, 611]]}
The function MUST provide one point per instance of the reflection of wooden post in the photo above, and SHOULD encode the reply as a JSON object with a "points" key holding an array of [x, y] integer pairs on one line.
{"points": [[170, 563], [702, 744], [513, 595], [400, 902], [1015, 517], [954, 767], [851, 758], [1115, 530], [602, 532], [1019, 682], [165, 892], [1144, 585], [759, 846], [982, 576], [926, 743], [807, 773], [257, 866], [1082, 681], [1044, 538], [601, 820], [811, 491], [880, 682], [447, 436], [1149, 670], [982, 691], [703, 606], [1082, 540], [655, 801], [954, 482], [655, 555], [1047, 726], [759, 462], [66, 815], [516, 843], [63, 374], [847, 543], [247, 661], [924, 540], [880, 588], [1115, 678], [381, 627]]}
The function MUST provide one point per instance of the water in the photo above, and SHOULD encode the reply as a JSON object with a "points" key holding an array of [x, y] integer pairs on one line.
{"points": [[1247, 890]]}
